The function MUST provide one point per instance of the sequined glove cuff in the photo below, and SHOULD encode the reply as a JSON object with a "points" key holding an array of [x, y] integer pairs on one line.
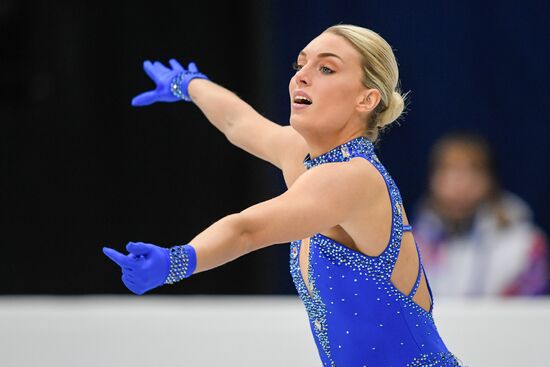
{"points": [[183, 261], [180, 83]]}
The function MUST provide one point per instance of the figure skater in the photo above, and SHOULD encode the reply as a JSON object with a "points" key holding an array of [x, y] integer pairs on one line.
{"points": [[353, 258]]}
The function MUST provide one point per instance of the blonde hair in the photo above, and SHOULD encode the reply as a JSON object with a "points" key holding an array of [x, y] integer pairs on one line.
{"points": [[379, 71]]}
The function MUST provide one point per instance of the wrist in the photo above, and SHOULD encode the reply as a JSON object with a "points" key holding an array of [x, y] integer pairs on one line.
{"points": [[195, 87], [179, 85], [183, 262]]}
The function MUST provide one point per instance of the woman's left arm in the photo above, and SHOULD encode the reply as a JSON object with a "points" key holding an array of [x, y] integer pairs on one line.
{"points": [[319, 199]]}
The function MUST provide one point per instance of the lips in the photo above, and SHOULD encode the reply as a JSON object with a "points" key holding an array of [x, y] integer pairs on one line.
{"points": [[301, 99]]}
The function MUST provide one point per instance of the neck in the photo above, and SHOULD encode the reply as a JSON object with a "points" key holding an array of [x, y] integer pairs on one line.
{"points": [[319, 145]]}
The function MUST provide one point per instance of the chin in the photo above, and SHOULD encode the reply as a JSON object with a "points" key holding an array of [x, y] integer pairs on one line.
{"points": [[300, 124]]}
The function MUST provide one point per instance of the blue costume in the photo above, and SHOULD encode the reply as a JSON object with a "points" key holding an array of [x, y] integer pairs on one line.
{"points": [[357, 316]]}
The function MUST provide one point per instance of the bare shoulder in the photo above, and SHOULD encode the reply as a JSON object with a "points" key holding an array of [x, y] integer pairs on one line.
{"points": [[351, 177], [323, 197], [358, 182], [357, 169], [368, 173]]}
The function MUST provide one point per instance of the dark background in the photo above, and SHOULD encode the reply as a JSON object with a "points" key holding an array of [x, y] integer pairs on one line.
{"points": [[81, 168]]}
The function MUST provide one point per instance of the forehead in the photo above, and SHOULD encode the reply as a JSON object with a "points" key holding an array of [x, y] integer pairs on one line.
{"points": [[462, 153], [329, 42]]}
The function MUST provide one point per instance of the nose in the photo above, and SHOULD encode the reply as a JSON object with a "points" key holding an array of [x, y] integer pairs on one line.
{"points": [[301, 77]]}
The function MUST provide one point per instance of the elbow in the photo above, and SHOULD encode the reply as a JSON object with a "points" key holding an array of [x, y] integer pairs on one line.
{"points": [[231, 129], [252, 235], [243, 235]]}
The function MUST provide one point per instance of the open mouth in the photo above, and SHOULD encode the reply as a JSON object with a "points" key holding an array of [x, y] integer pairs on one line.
{"points": [[302, 100]]}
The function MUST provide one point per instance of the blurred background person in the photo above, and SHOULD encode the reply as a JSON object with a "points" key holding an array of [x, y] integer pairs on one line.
{"points": [[477, 239]]}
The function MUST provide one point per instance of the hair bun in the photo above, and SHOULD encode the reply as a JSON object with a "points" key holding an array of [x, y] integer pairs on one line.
{"points": [[393, 111]]}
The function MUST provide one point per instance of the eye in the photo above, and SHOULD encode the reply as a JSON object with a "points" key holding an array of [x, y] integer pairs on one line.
{"points": [[326, 70], [296, 66]]}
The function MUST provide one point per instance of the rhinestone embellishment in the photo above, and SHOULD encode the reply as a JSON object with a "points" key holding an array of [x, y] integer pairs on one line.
{"points": [[339, 276], [294, 252], [345, 152], [358, 146], [318, 325]]}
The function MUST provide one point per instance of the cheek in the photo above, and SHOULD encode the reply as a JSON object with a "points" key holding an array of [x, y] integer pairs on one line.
{"points": [[291, 84], [480, 186], [336, 94]]}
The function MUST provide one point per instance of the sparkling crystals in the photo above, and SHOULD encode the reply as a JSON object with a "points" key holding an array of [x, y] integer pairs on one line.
{"points": [[318, 325], [332, 271], [446, 359], [178, 84], [294, 252], [313, 302], [345, 152], [398, 209], [179, 265], [358, 146]]}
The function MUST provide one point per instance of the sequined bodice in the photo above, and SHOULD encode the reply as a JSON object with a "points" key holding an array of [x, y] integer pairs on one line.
{"points": [[357, 316]]}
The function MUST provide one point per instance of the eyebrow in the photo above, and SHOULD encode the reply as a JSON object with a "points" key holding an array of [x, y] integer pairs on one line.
{"points": [[323, 54]]}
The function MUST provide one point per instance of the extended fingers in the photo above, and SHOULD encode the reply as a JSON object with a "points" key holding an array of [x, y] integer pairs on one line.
{"points": [[192, 67], [149, 69], [120, 259], [175, 65], [145, 99], [138, 248], [160, 68]]}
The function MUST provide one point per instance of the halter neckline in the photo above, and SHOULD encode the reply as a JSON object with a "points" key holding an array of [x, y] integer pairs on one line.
{"points": [[342, 153]]}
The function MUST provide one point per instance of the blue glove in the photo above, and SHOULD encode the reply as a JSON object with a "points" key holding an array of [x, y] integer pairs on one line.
{"points": [[144, 268], [148, 266], [171, 83]]}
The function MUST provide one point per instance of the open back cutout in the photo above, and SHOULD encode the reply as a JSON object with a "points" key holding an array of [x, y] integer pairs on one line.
{"points": [[304, 264], [406, 271], [404, 276], [407, 276]]}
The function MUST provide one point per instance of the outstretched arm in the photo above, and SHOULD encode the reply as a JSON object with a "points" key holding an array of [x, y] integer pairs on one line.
{"points": [[237, 120], [296, 214], [242, 125]]}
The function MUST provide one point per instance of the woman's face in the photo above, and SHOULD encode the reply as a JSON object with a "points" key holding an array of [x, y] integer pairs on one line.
{"points": [[460, 180], [328, 75]]}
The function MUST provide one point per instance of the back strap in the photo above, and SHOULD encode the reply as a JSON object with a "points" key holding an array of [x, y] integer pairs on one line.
{"points": [[420, 269], [407, 227], [417, 283]]}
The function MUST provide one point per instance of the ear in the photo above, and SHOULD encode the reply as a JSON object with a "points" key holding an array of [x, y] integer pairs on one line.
{"points": [[368, 100]]}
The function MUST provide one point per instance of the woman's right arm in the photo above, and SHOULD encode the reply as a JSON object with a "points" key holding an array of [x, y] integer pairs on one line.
{"points": [[243, 126]]}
